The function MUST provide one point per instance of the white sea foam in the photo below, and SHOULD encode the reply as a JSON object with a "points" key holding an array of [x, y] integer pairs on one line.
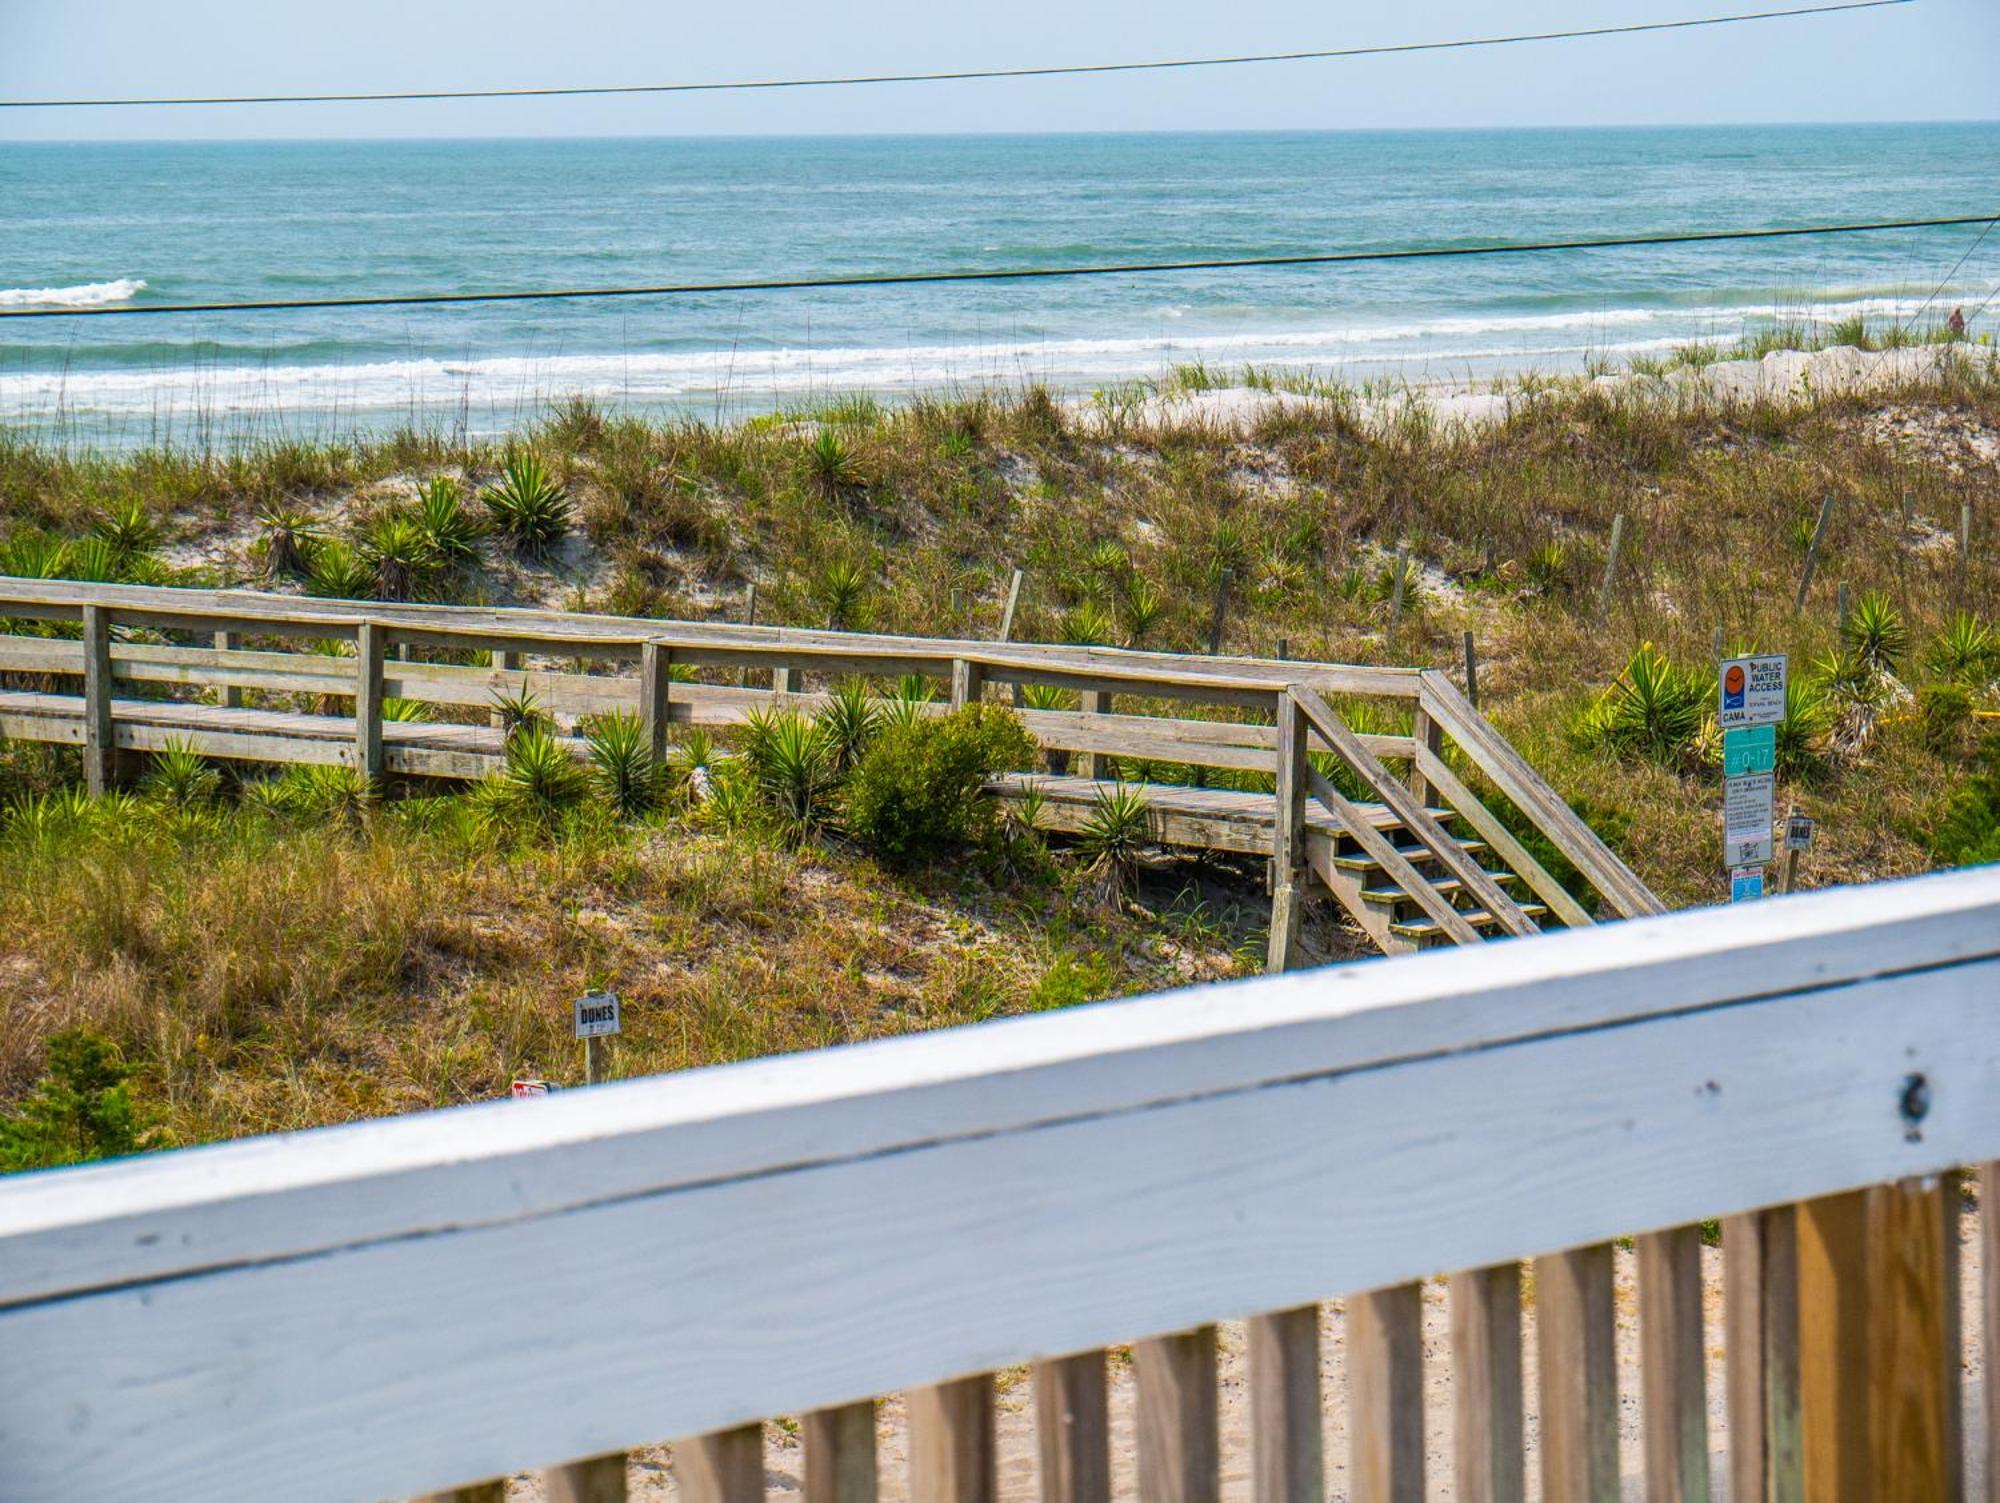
{"points": [[85, 295]]}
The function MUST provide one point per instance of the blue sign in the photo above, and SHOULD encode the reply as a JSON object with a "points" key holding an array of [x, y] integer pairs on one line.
{"points": [[1751, 749], [1746, 884]]}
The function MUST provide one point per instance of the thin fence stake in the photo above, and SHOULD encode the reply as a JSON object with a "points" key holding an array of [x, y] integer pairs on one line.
{"points": [[1812, 554], [1396, 595], [1964, 551], [1472, 670], [1610, 568], [1013, 600]]}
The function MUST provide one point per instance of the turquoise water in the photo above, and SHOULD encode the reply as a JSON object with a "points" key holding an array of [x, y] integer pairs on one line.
{"points": [[92, 223]]}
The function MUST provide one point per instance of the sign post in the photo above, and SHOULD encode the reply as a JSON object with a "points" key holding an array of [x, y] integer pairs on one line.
{"points": [[596, 1020], [1799, 830], [1752, 702]]}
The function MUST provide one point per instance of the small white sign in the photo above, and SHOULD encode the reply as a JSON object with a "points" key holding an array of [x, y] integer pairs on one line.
{"points": [[523, 1089], [1752, 692], [1799, 833], [1747, 806], [596, 1014]]}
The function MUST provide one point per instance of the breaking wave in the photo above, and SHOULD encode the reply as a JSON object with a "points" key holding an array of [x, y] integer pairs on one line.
{"points": [[84, 295]]}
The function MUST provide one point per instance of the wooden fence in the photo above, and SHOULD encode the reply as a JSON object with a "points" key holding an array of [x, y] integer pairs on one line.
{"points": [[186, 659], [411, 1305]]}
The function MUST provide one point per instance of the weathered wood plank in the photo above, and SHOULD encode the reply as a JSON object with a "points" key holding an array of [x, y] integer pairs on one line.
{"points": [[1488, 1455], [1576, 1350], [655, 691], [1385, 1395], [475, 1492], [1761, 1347], [1288, 840], [368, 649], [98, 747], [599, 1479], [1287, 1446], [1673, 1372], [725, 1466], [1446, 786], [840, 1454], [1394, 863], [1989, 1305], [1178, 1430], [1914, 1346], [1836, 1430], [954, 1457], [1073, 1429]]}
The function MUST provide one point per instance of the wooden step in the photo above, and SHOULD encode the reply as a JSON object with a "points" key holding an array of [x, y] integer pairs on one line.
{"points": [[1448, 886], [1426, 928], [1416, 855]]}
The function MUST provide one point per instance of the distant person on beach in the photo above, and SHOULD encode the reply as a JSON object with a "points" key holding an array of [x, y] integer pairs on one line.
{"points": [[1956, 323]]}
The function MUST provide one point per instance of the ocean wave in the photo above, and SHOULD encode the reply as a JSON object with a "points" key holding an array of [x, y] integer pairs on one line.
{"points": [[84, 295]]}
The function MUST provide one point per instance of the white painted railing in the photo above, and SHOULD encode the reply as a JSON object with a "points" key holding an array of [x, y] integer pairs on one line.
{"points": [[404, 1305]]}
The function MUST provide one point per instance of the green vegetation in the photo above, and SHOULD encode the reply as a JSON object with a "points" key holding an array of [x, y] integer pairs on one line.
{"points": [[914, 794]]}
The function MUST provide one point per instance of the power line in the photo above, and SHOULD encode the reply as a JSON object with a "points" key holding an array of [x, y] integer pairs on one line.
{"points": [[1938, 292], [964, 74], [1001, 274]]}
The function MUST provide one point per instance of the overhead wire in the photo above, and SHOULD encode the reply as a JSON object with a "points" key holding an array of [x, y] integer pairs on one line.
{"points": [[963, 74], [1001, 274]]}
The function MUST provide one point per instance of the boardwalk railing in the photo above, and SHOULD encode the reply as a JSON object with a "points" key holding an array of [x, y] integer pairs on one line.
{"points": [[222, 672], [412, 1305]]}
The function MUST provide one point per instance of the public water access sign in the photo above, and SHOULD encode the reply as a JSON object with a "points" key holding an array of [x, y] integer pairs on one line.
{"points": [[1753, 691], [1752, 749], [596, 1015], [1747, 806]]}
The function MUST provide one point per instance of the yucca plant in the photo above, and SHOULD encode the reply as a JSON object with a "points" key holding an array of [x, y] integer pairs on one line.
{"points": [[35, 555], [399, 552], [451, 530], [337, 572], [1114, 837], [1874, 634], [405, 711], [329, 794], [841, 588], [1967, 652], [1090, 625], [792, 765], [1653, 709], [829, 466], [519, 712], [540, 782], [1801, 735], [623, 774], [127, 529], [692, 765], [848, 722], [1140, 606], [528, 506], [291, 537], [1548, 567], [95, 561], [180, 777]]}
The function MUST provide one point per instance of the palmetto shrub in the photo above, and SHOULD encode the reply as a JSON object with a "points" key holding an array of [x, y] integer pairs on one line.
{"points": [[1114, 837], [1654, 709], [540, 782], [1967, 652], [623, 773], [528, 506], [918, 791], [291, 537], [848, 720], [399, 551], [791, 763], [337, 572], [1874, 634], [829, 466], [180, 777], [451, 530]]}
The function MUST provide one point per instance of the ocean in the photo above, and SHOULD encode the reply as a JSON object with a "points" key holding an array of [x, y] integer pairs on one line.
{"points": [[99, 224]]}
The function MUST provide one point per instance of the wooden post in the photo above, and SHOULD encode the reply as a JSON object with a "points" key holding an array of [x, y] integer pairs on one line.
{"points": [[1760, 1286], [1287, 1448], [1220, 619], [1673, 1357], [601, 1479], [228, 696], [749, 619], [1578, 1360], [1989, 1303], [1488, 1456], [1812, 555], [655, 692], [593, 1060], [368, 699], [1092, 702], [785, 680], [1914, 1344], [952, 1449], [1385, 1395], [1834, 1431], [1288, 841], [1427, 734], [1964, 552], [726, 1467], [506, 662], [1013, 600], [1072, 1429], [968, 683], [1604, 590], [1788, 870], [840, 1454], [1402, 567], [99, 746], [1472, 670], [1178, 1434]]}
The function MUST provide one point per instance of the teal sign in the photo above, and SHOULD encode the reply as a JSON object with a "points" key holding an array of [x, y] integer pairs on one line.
{"points": [[1752, 749], [1746, 884]]}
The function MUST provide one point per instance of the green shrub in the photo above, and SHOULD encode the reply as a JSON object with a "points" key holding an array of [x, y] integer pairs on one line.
{"points": [[623, 772], [1967, 651], [1874, 634], [1969, 834], [80, 1109], [1944, 711], [336, 572], [541, 781], [1654, 709], [180, 777], [915, 795], [793, 765], [451, 530]]}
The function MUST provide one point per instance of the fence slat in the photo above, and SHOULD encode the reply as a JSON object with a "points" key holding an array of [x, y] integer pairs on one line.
{"points": [[1989, 1306], [1577, 1356], [368, 646], [1287, 1444], [98, 747], [1834, 1429], [1761, 1341], [725, 1467], [1673, 1366], [952, 1452], [1073, 1429], [655, 695], [1385, 1395], [1913, 1346], [600, 1479], [1095, 763], [840, 1454], [1288, 841], [1178, 1430], [1487, 1452]]}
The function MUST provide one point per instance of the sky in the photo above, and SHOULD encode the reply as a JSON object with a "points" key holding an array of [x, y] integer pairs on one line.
{"points": [[1930, 60]]}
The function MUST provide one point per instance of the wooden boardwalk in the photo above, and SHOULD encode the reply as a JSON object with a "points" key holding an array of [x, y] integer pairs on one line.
{"points": [[1420, 858]]}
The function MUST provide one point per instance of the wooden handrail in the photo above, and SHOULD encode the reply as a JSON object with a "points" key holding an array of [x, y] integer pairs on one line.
{"points": [[1490, 752], [465, 1288]]}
